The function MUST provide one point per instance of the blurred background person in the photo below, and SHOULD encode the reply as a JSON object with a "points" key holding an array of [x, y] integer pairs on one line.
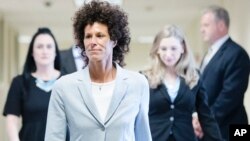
{"points": [[224, 70], [71, 60], [29, 92], [103, 101], [175, 90]]}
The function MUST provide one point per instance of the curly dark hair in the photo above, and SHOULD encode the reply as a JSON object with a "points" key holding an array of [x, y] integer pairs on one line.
{"points": [[112, 16]]}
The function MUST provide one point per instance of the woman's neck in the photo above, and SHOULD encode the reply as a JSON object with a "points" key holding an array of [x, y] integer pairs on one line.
{"points": [[46, 73], [171, 76], [171, 72], [102, 73]]}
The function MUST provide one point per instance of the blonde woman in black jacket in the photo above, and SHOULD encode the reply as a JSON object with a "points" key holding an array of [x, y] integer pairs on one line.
{"points": [[175, 91]]}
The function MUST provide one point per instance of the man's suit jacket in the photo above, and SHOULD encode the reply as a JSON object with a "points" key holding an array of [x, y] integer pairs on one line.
{"points": [[226, 79], [68, 64], [72, 103], [168, 117]]}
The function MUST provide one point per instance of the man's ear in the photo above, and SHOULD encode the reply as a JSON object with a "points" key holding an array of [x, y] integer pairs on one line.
{"points": [[222, 25]]}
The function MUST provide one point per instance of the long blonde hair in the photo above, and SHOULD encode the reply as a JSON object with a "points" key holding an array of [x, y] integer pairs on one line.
{"points": [[185, 67]]}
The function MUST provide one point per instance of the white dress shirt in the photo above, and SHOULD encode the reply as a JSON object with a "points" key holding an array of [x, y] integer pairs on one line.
{"points": [[78, 57], [102, 93], [212, 51], [173, 89]]}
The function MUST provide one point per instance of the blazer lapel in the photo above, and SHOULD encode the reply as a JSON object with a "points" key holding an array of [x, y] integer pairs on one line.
{"points": [[216, 56], [180, 93], [164, 92], [119, 92], [84, 87], [182, 90]]}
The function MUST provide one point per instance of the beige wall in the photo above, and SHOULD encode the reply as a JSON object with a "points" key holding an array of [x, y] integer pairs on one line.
{"points": [[240, 32], [9, 62]]}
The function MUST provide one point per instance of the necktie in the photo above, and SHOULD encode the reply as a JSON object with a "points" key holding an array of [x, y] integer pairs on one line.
{"points": [[206, 60]]}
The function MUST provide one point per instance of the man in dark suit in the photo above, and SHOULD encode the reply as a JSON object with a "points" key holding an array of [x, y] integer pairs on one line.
{"points": [[224, 70], [71, 60]]}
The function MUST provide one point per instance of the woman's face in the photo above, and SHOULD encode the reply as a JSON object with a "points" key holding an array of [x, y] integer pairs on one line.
{"points": [[97, 42], [170, 50], [44, 50]]}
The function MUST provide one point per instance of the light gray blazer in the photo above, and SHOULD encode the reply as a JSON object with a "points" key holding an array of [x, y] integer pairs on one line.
{"points": [[72, 104]]}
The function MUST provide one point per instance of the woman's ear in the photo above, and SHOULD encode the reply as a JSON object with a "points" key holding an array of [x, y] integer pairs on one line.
{"points": [[182, 51], [114, 43]]}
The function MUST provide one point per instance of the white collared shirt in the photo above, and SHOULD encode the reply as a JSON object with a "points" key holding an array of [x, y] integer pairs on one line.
{"points": [[102, 94], [213, 50], [216, 46], [172, 89]]}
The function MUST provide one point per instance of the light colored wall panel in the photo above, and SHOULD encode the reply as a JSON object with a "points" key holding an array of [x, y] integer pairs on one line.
{"points": [[138, 57], [9, 57]]}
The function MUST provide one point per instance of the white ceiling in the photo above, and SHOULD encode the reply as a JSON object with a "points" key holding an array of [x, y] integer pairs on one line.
{"points": [[146, 17]]}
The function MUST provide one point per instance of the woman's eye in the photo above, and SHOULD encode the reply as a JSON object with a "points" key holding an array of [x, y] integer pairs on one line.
{"points": [[100, 35], [39, 46], [163, 48], [173, 48], [87, 36], [49, 46]]}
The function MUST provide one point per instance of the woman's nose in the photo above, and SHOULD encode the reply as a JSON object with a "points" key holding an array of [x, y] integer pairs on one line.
{"points": [[167, 53], [93, 40]]}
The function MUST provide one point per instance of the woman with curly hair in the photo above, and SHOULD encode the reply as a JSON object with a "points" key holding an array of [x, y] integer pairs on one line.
{"points": [[103, 101]]}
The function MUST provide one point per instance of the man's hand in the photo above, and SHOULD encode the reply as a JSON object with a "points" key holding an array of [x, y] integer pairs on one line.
{"points": [[197, 127]]}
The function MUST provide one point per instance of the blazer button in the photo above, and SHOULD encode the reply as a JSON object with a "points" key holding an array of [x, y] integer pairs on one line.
{"points": [[103, 128], [172, 106], [171, 118]]}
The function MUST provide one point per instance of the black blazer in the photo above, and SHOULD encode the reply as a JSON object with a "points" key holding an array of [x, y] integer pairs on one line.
{"points": [[226, 80], [67, 61], [176, 117]]}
